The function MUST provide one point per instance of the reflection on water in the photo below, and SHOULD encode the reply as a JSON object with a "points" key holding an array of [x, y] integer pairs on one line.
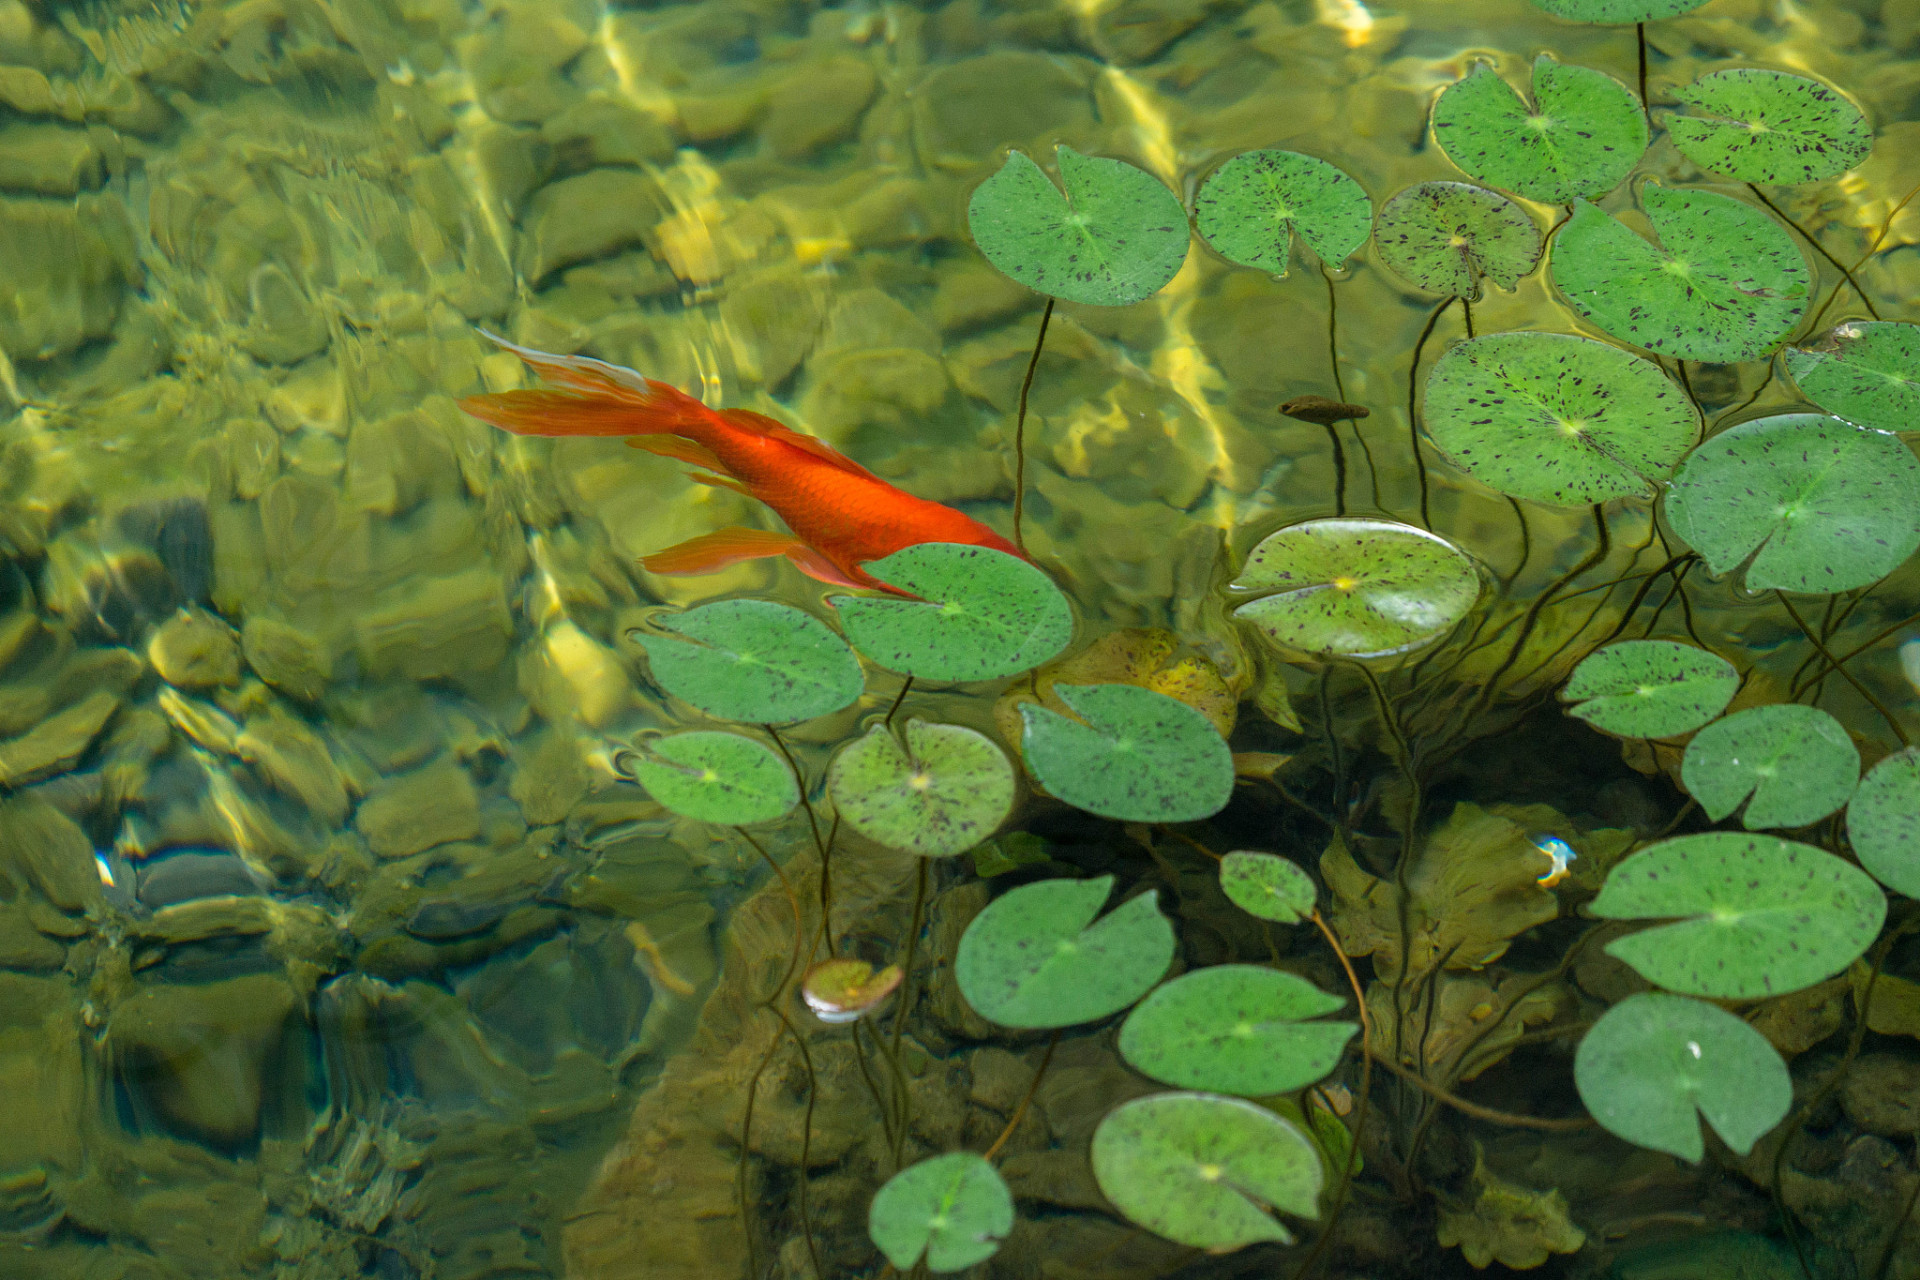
{"points": [[330, 942]]}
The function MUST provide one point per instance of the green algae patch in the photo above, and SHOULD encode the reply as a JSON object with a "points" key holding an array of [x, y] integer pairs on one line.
{"points": [[1249, 209], [1579, 136]]}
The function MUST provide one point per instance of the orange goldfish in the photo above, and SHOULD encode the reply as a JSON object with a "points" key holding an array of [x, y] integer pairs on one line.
{"points": [[841, 514]]}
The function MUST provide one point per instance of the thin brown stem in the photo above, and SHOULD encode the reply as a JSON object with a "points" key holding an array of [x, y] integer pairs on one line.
{"points": [[906, 687], [1339, 469], [1362, 1101], [1020, 434], [1873, 700], [1818, 248], [1864, 645], [1640, 38], [905, 1005], [1413, 420], [1026, 1099], [1569, 1125]]}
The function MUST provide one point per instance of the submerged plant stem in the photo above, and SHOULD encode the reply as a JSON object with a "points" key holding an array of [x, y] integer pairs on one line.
{"points": [[1880, 237], [1814, 639], [1599, 553], [1861, 648], [1572, 1124], [902, 1105], [1020, 434], [1339, 470], [1640, 38], [1026, 1099], [1818, 248], [906, 687], [1361, 1102], [1413, 421], [823, 845]]}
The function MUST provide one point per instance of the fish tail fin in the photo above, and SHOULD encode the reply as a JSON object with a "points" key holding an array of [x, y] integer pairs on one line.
{"points": [[599, 399]]}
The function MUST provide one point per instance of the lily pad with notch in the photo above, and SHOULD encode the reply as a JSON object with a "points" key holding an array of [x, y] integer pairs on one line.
{"points": [[1580, 136], [1724, 283], [1236, 1028], [1116, 235], [1204, 1170], [1797, 763], [1250, 208], [982, 614], [1445, 237], [1883, 822], [752, 660], [1555, 418], [1617, 12], [1754, 915], [1268, 887], [940, 792], [1654, 1064], [952, 1209], [715, 776], [1650, 688], [1809, 503], [1769, 126], [1035, 957], [1357, 588], [1866, 372], [1133, 754]]}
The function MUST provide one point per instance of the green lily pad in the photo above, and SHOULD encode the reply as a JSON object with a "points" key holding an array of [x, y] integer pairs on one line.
{"points": [[1359, 588], [1756, 915], [941, 793], [1236, 1028], [1769, 126], [1554, 418], [1865, 371], [1883, 822], [955, 1209], [1581, 136], [1725, 282], [1140, 756], [1445, 237], [1117, 235], [1617, 12], [1820, 505], [1652, 1060], [982, 614], [1650, 688], [712, 776], [1269, 887], [1798, 764], [1035, 957], [753, 660], [1204, 1170], [1251, 206]]}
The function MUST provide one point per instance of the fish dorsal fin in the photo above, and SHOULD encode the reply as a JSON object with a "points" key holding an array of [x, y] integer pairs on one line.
{"points": [[761, 424], [680, 449]]}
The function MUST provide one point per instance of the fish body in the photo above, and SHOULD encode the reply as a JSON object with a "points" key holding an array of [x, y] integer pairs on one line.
{"points": [[1562, 855], [841, 515]]}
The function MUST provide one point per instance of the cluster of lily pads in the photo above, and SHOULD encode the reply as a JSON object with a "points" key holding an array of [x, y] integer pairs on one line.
{"points": [[1804, 503]]}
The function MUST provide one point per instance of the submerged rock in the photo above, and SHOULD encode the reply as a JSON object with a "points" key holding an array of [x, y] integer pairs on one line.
{"points": [[194, 650], [42, 847], [289, 659], [589, 216], [200, 1056], [419, 810]]}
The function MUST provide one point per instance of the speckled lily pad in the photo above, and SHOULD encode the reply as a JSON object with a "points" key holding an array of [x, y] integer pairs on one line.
{"points": [[953, 1209], [1768, 126], [1617, 12], [1580, 136], [1650, 688], [1250, 207], [982, 614], [1445, 237], [1796, 762], [753, 660], [1037, 958], [1267, 886], [1132, 754], [1883, 822], [1865, 371], [717, 777], [940, 792], [1236, 1028]]}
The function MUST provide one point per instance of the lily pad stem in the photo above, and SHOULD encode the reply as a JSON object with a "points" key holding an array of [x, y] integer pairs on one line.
{"points": [[902, 1103], [1361, 1100], [898, 698], [824, 846], [1886, 229], [1855, 652], [1026, 1099], [1818, 248], [1873, 700], [1899, 1225], [1571, 1124], [1020, 434], [1640, 37], [1339, 470], [1413, 422], [1601, 549]]}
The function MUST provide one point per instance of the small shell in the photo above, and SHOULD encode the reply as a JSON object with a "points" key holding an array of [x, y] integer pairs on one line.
{"points": [[845, 990]]}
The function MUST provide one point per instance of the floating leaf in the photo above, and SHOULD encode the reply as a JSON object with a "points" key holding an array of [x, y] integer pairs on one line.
{"points": [[1445, 236], [1768, 126], [1883, 822], [1725, 282], [1797, 763], [941, 793], [1757, 916], [1117, 235], [1555, 418], [845, 990], [1140, 756], [753, 660], [954, 1208], [1617, 12], [982, 614], [1272, 888], [1651, 1060], [1034, 957], [1358, 588], [1581, 136], [1249, 209], [711, 776], [1820, 505], [1236, 1028], [1865, 371], [1203, 1170], [1650, 688]]}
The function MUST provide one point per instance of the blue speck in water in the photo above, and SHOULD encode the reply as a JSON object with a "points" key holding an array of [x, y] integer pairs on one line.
{"points": [[1562, 854]]}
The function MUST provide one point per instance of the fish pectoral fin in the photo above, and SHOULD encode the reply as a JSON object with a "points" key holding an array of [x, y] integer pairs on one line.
{"points": [[680, 449], [712, 552], [554, 413], [821, 569], [720, 482]]}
